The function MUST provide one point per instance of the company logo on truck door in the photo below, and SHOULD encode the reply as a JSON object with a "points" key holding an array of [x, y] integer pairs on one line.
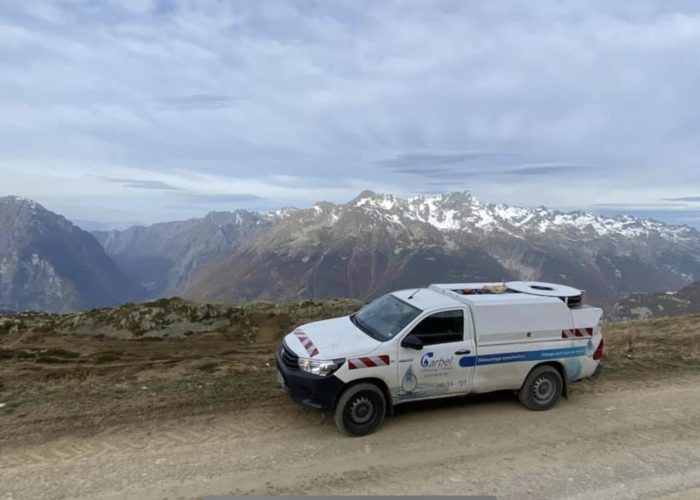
{"points": [[429, 361]]}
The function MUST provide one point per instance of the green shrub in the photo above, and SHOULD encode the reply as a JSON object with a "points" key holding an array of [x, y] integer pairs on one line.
{"points": [[208, 367], [108, 356]]}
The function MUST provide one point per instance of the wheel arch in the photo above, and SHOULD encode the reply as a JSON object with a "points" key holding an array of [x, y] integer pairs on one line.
{"points": [[370, 380], [557, 365]]}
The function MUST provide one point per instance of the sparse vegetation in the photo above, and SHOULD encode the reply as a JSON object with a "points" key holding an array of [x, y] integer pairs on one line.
{"points": [[86, 371], [108, 356], [665, 345], [208, 367], [175, 318], [62, 353]]}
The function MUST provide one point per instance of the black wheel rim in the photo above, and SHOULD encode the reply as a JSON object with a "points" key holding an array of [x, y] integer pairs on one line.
{"points": [[363, 412], [544, 389]]}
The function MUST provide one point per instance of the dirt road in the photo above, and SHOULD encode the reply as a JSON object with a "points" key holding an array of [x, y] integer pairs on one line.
{"points": [[609, 440]]}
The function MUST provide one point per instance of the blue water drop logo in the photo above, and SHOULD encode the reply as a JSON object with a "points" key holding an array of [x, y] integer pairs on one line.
{"points": [[410, 381]]}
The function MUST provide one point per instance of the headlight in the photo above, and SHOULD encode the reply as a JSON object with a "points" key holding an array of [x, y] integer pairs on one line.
{"points": [[319, 367]]}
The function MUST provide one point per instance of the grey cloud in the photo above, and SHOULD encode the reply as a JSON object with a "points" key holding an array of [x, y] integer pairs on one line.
{"points": [[417, 161], [184, 194], [424, 171], [684, 198], [220, 198], [528, 170], [143, 184], [196, 102], [541, 170]]}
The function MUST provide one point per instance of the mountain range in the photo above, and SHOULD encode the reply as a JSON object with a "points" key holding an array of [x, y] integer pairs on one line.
{"points": [[47, 263], [360, 249], [378, 242]]}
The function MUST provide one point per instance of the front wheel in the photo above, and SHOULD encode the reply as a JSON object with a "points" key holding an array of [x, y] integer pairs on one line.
{"points": [[360, 410], [542, 388]]}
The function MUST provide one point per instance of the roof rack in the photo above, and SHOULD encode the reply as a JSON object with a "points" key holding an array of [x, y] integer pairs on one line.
{"points": [[572, 297]]}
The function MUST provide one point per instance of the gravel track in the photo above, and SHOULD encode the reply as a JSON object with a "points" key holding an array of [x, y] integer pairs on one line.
{"points": [[611, 439]]}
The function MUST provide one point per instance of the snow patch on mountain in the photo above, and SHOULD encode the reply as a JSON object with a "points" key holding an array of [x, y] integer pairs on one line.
{"points": [[464, 212]]}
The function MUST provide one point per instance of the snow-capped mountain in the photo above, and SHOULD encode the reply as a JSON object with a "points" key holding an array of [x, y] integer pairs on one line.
{"points": [[463, 212], [378, 242], [360, 249]]}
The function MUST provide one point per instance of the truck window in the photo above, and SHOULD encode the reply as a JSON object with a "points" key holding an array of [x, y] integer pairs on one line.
{"points": [[441, 328], [385, 317]]}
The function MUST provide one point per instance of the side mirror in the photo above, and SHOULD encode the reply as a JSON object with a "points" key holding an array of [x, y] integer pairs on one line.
{"points": [[412, 342]]}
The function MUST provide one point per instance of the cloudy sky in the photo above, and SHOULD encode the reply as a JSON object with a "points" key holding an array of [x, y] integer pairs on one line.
{"points": [[141, 111]]}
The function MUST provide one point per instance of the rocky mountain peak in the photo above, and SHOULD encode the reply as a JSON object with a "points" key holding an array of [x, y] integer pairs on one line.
{"points": [[18, 207], [48, 263], [462, 211]]}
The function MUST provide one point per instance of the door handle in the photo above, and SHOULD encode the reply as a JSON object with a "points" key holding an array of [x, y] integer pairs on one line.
{"points": [[464, 351]]}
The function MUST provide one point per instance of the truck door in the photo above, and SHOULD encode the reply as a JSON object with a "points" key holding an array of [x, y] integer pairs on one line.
{"points": [[445, 364]]}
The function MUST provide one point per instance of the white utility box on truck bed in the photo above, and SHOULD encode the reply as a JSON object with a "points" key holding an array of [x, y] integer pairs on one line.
{"points": [[446, 340]]}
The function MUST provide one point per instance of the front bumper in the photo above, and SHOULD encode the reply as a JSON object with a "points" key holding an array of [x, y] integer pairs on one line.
{"points": [[315, 391]]}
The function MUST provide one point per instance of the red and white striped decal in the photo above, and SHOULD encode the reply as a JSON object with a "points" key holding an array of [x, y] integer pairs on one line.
{"points": [[577, 332], [368, 362], [306, 342]]}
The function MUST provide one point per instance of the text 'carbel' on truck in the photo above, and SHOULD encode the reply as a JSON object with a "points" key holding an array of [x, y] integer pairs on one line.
{"points": [[441, 341]]}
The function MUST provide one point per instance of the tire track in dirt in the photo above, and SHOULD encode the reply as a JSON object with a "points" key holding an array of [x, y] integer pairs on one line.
{"points": [[648, 437]]}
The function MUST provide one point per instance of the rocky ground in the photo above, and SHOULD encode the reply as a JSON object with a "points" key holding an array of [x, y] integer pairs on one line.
{"points": [[79, 372]]}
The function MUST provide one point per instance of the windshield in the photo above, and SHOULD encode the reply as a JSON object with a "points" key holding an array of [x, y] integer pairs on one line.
{"points": [[385, 317]]}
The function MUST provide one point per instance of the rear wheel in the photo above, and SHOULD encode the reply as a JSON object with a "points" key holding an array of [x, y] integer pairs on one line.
{"points": [[360, 410], [542, 388]]}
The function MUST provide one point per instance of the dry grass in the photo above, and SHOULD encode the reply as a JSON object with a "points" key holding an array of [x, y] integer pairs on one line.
{"points": [[666, 345]]}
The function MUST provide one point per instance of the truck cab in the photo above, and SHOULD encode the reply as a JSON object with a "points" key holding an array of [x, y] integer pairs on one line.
{"points": [[442, 341]]}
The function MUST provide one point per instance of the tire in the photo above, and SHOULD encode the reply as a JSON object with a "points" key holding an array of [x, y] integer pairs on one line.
{"points": [[542, 388], [360, 410]]}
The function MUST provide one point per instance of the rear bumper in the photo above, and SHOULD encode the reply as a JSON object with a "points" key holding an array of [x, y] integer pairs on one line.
{"points": [[314, 391], [598, 370]]}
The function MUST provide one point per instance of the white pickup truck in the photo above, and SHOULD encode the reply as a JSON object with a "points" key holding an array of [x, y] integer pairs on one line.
{"points": [[445, 340]]}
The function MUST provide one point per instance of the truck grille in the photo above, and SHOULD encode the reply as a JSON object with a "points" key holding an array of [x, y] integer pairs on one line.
{"points": [[289, 358]]}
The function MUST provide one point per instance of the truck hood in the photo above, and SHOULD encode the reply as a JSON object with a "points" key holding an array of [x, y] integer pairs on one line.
{"points": [[331, 338]]}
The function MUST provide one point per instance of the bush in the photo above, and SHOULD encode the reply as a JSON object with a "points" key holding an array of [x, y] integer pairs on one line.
{"points": [[208, 367], [62, 353], [108, 356]]}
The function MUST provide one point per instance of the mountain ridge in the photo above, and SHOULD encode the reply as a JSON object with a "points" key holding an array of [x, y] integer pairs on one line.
{"points": [[609, 256], [48, 263], [375, 243], [639, 306]]}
